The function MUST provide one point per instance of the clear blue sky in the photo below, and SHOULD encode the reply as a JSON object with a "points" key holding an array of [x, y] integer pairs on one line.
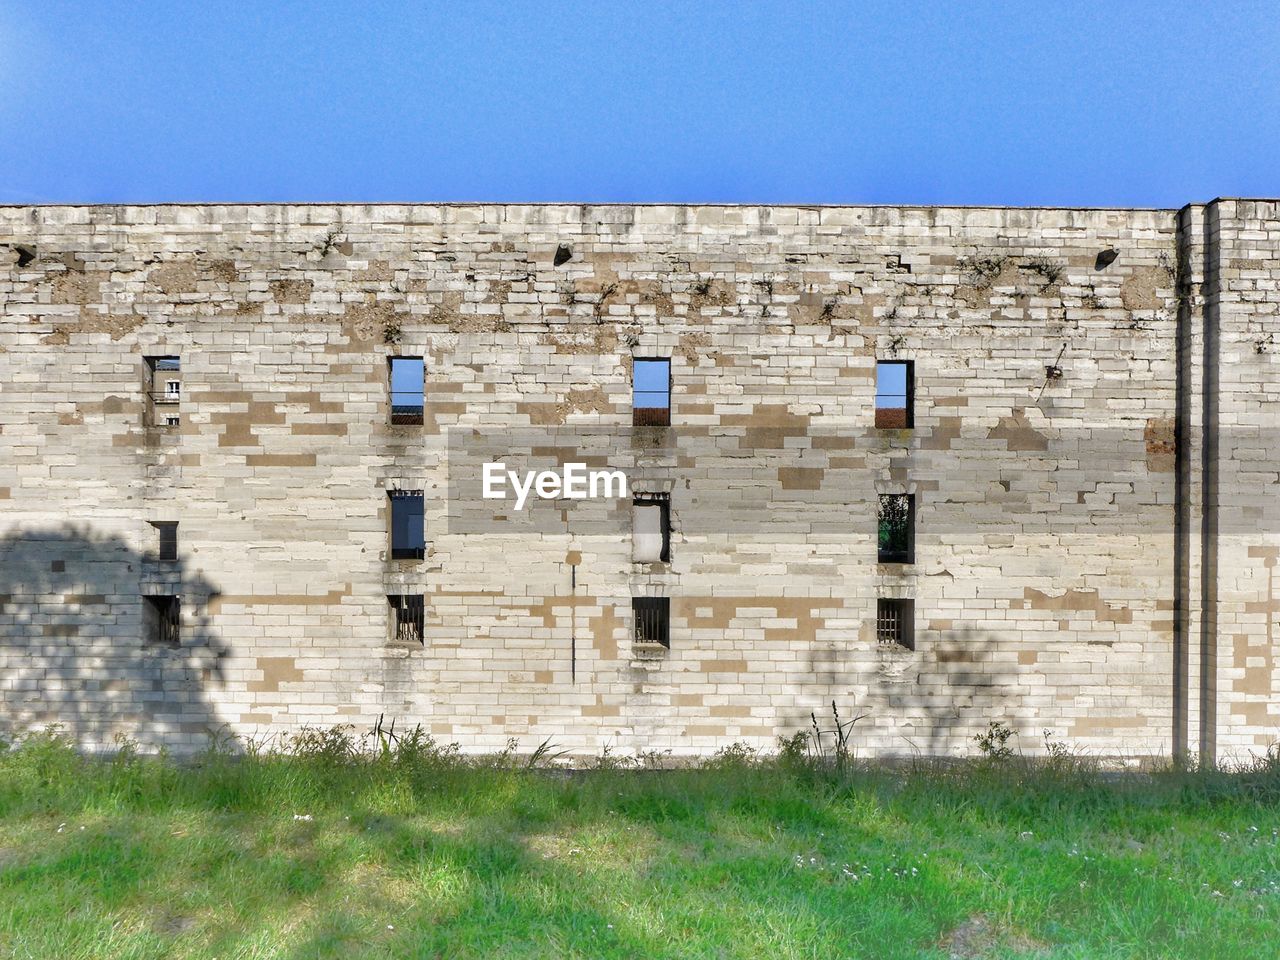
{"points": [[1089, 103]]}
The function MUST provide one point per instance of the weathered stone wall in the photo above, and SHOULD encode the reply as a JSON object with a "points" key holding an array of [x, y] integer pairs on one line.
{"points": [[1044, 578]]}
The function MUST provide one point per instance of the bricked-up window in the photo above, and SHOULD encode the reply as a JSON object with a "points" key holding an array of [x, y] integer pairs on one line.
{"points": [[895, 394], [897, 528], [406, 383], [408, 538], [652, 617], [162, 621], [651, 392], [166, 539], [164, 390], [651, 528], [895, 623], [408, 618]]}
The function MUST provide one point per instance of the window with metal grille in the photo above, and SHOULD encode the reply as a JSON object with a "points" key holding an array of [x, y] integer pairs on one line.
{"points": [[162, 621], [406, 379], [895, 623], [408, 538], [408, 618], [651, 528], [895, 394], [652, 617], [166, 539], [651, 392], [897, 534], [164, 390]]}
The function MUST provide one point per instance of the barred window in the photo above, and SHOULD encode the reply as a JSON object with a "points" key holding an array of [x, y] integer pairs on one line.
{"points": [[162, 621], [408, 618], [652, 617], [895, 623]]}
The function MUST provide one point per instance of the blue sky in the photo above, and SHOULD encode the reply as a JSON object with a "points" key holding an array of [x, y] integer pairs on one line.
{"points": [[1121, 103]]}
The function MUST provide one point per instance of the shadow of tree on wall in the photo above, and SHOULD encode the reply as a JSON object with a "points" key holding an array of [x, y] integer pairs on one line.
{"points": [[925, 702], [74, 645]]}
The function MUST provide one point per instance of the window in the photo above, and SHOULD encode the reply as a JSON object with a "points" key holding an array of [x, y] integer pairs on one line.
{"points": [[652, 617], [408, 540], [651, 392], [895, 623], [895, 391], [162, 621], [408, 618], [651, 528], [897, 528], [166, 539], [406, 379], [164, 390]]}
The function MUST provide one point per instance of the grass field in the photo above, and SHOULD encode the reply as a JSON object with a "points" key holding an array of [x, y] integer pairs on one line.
{"points": [[415, 853]]}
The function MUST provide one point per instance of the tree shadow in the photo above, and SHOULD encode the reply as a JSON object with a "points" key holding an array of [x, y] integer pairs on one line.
{"points": [[75, 645]]}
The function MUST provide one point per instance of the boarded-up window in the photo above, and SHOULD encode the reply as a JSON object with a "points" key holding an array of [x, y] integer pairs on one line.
{"points": [[895, 394], [651, 528], [162, 621], [406, 379], [408, 537], [651, 392], [652, 617]]}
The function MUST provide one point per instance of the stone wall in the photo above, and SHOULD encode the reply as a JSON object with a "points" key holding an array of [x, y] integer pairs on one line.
{"points": [[1049, 562]]}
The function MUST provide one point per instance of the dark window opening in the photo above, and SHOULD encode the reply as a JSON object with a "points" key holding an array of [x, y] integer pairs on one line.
{"points": [[651, 528], [406, 388], [408, 538], [164, 390], [166, 539], [897, 528], [651, 392], [895, 623], [162, 619], [408, 618], [652, 619], [895, 394]]}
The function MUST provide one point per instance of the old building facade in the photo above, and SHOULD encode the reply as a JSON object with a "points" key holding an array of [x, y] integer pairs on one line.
{"points": [[220, 425]]}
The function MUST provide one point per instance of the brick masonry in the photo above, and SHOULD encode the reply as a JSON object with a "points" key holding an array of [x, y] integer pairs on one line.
{"points": [[1094, 555]]}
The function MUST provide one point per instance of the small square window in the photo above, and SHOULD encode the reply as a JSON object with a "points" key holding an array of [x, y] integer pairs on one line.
{"points": [[407, 377], [651, 392], [895, 623], [162, 621], [408, 618], [166, 539], [895, 394], [896, 542], [408, 537], [652, 617], [651, 528]]}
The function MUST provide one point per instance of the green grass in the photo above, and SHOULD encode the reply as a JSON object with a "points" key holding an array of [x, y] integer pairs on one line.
{"points": [[417, 853]]}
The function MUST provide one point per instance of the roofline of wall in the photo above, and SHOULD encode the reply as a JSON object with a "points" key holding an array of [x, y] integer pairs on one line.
{"points": [[616, 205]]}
